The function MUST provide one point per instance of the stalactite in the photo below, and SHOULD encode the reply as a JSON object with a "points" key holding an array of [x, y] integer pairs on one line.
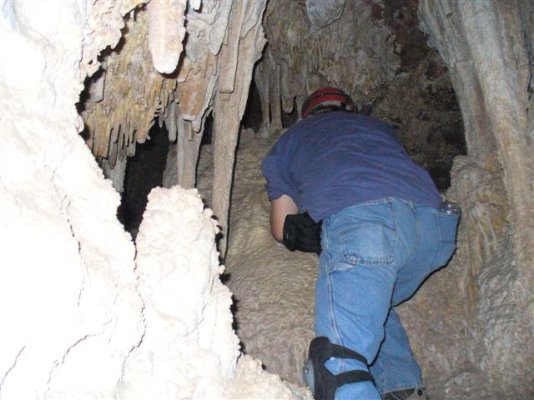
{"points": [[170, 120], [228, 57], [285, 89], [261, 79], [195, 90], [166, 32], [341, 54], [229, 107], [274, 96], [187, 155], [127, 110]]}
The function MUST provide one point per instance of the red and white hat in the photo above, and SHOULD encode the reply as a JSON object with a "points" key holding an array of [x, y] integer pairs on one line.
{"points": [[327, 97]]}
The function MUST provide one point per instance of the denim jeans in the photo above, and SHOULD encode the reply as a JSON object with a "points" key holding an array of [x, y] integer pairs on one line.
{"points": [[375, 256]]}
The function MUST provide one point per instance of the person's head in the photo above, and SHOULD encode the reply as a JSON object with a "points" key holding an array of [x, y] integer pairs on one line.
{"points": [[325, 100]]}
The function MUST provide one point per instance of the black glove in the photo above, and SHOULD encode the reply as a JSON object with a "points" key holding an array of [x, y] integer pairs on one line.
{"points": [[302, 233]]}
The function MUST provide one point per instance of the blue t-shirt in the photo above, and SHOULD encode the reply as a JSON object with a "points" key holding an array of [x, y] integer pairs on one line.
{"points": [[335, 160]]}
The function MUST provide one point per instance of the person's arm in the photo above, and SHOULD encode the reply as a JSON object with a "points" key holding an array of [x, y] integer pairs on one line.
{"points": [[280, 208]]}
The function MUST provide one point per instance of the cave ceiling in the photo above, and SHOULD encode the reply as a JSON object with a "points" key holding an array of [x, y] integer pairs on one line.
{"points": [[372, 49]]}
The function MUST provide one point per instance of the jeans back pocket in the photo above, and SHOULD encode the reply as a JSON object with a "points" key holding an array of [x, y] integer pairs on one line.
{"points": [[362, 235]]}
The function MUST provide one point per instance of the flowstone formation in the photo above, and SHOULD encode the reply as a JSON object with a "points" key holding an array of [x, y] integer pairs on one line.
{"points": [[188, 349], [81, 318], [69, 307], [273, 288], [488, 49]]}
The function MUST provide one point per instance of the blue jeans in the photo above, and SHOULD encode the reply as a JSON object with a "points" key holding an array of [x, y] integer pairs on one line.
{"points": [[375, 256]]}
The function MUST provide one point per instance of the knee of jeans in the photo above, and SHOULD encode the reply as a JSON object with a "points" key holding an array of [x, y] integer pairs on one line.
{"points": [[340, 365]]}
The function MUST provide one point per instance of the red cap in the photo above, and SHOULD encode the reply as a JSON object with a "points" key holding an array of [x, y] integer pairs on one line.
{"points": [[328, 94]]}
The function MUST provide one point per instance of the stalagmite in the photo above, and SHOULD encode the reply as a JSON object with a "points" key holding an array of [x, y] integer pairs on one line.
{"points": [[188, 349], [87, 314], [187, 314], [189, 145], [80, 319]]}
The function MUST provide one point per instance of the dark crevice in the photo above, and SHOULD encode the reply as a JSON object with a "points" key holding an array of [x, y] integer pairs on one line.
{"points": [[144, 172], [252, 118]]}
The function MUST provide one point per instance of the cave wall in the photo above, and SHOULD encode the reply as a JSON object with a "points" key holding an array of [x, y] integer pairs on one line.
{"points": [[85, 313], [488, 49], [69, 307], [74, 299]]}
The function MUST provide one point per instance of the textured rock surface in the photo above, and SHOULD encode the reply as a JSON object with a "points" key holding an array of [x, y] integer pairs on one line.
{"points": [[70, 311], [211, 72], [375, 51], [470, 321], [273, 288], [188, 349], [122, 114], [492, 74], [274, 294], [70, 299], [79, 319]]}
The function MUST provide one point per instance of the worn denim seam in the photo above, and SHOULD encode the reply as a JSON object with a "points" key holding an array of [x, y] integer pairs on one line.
{"points": [[333, 318], [417, 235], [403, 386], [433, 265]]}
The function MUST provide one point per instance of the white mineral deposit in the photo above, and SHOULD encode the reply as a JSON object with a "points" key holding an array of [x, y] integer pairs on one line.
{"points": [[199, 301]]}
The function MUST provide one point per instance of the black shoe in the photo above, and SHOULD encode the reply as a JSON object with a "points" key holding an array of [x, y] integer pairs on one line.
{"points": [[406, 394]]}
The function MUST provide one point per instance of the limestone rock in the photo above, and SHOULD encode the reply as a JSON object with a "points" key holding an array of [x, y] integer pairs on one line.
{"points": [[166, 32]]}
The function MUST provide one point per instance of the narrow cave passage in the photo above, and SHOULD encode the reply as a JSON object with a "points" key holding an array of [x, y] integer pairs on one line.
{"points": [[90, 313], [273, 288]]}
